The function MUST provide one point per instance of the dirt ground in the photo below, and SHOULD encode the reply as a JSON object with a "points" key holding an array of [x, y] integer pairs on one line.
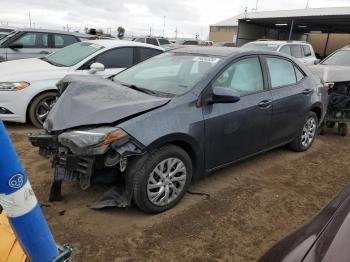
{"points": [[252, 205]]}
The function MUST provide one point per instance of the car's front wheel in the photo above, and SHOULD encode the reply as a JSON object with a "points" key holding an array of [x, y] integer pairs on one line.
{"points": [[163, 179], [40, 108], [306, 134]]}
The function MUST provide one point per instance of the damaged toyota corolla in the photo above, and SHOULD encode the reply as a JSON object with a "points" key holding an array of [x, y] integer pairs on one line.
{"points": [[176, 117]]}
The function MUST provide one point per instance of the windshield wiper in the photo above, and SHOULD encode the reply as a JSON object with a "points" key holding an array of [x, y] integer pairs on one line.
{"points": [[147, 91], [51, 62]]}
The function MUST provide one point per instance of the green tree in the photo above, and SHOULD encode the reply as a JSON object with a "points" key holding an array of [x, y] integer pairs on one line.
{"points": [[121, 32]]}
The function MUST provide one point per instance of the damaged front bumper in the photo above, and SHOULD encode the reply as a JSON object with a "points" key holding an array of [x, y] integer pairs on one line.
{"points": [[75, 158]]}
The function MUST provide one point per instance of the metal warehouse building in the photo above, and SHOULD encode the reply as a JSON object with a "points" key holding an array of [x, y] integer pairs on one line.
{"points": [[327, 29]]}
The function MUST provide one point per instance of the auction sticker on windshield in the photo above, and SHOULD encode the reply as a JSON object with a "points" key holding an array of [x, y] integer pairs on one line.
{"points": [[212, 60]]}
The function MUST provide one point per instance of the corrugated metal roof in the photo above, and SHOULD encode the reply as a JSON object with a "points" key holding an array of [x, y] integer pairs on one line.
{"points": [[329, 11]]}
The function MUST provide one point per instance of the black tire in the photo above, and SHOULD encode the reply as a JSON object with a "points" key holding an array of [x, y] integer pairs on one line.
{"points": [[297, 144], [141, 177], [322, 129], [343, 129], [33, 108]]}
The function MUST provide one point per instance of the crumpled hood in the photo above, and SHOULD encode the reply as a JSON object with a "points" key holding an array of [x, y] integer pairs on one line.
{"points": [[29, 70], [91, 100], [331, 73]]}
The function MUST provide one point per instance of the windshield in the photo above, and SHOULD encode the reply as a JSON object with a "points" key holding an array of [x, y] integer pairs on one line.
{"points": [[73, 54], [170, 73], [260, 47], [4, 38], [340, 58]]}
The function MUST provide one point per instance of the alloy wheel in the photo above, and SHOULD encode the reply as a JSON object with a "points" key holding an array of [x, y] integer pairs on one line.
{"points": [[44, 107], [308, 133], [166, 181]]}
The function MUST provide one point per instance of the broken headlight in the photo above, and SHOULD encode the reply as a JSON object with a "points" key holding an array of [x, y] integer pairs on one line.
{"points": [[93, 141], [13, 86]]}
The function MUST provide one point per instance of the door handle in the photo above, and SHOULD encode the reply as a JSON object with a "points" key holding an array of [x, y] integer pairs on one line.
{"points": [[265, 104], [307, 91], [44, 52]]}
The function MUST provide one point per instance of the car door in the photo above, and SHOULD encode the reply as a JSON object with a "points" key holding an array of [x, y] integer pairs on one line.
{"points": [[236, 130], [33, 44], [114, 60], [289, 94]]}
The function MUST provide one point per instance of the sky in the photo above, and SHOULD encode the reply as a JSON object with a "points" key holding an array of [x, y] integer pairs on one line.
{"points": [[139, 17]]}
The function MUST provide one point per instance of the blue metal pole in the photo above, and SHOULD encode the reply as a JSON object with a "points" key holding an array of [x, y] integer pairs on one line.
{"points": [[21, 206]]}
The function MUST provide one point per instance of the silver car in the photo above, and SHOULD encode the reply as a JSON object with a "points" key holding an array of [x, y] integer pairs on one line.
{"points": [[29, 43]]}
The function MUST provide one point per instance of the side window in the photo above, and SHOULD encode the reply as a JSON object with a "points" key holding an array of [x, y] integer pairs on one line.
{"points": [[296, 51], [117, 58], [245, 76], [146, 53], [151, 41], [34, 40], [307, 50], [285, 50], [298, 74], [281, 72], [63, 40], [140, 40], [163, 41]]}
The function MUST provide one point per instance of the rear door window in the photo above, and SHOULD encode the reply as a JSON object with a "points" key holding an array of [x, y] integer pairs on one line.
{"points": [[296, 51], [281, 72], [146, 53], [34, 40], [63, 40], [117, 58]]}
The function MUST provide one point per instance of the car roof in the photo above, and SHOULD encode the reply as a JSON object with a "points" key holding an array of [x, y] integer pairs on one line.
{"points": [[108, 43], [204, 50], [278, 42], [55, 32]]}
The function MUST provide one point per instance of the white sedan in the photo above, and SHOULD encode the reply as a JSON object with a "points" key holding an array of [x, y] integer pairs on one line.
{"points": [[28, 86]]}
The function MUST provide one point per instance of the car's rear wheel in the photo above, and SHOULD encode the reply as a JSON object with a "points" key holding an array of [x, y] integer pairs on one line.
{"points": [[163, 179], [40, 108], [306, 135]]}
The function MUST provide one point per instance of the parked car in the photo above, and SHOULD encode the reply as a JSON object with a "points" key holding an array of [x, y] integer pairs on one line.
{"points": [[187, 42], [324, 238], [178, 116], [336, 69], [28, 86], [300, 50], [157, 41], [227, 44], [28, 43]]}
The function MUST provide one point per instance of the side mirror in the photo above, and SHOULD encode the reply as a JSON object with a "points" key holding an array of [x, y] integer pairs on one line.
{"points": [[317, 61], [224, 95], [16, 45], [96, 67]]}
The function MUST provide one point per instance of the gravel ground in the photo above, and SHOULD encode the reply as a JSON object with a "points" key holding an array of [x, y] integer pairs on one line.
{"points": [[252, 205]]}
